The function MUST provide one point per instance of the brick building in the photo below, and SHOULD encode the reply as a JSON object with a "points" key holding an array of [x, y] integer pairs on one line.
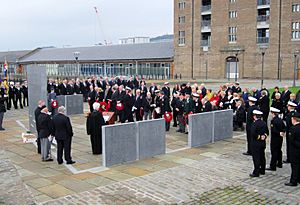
{"points": [[230, 38]]}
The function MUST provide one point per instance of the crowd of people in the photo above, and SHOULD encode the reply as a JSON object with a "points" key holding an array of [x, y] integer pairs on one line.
{"points": [[133, 100]]}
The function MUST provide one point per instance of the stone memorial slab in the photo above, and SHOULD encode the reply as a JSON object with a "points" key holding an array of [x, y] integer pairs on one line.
{"points": [[223, 125], [151, 138], [74, 104], [200, 129], [37, 90], [119, 144]]}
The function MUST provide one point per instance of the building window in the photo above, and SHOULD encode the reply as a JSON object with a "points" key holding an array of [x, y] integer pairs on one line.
{"points": [[181, 40], [232, 34], [181, 5], [231, 1], [296, 30], [296, 8], [232, 14], [181, 19]]}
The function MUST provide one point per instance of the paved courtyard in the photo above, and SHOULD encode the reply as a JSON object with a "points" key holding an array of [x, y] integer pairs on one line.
{"points": [[213, 174]]}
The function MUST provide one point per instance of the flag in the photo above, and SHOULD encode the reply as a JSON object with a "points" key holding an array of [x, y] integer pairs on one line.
{"points": [[5, 69]]}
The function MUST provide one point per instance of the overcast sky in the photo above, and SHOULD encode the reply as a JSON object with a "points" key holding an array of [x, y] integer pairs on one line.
{"points": [[34, 23]]}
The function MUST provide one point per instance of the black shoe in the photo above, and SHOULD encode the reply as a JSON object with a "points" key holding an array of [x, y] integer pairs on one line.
{"points": [[270, 169], [48, 160], [2, 129], [253, 175], [279, 165], [262, 172], [71, 162], [286, 161], [174, 125], [290, 184], [186, 133], [60, 162], [247, 153], [178, 131]]}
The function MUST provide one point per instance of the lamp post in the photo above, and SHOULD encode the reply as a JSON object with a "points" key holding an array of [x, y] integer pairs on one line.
{"points": [[263, 52], [296, 53], [76, 56], [236, 66]]}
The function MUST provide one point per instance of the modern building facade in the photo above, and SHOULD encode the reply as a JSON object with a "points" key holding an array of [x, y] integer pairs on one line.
{"points": [[149, 60], [237, 38]]}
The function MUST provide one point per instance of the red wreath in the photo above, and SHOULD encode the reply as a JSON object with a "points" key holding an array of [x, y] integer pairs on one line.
{"points": [[54, 104], [103, 107], [168, 116], [119, 106]]}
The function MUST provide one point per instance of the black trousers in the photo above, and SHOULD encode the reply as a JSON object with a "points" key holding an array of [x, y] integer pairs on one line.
{"points": [[276, 153], [38, 142], [287, 146], [258, 156], [167, 126], [138, 115], [295, 176], [248, 133], [20, 102], [25, 101], [64, 146], [96, 142], [175, 118]]}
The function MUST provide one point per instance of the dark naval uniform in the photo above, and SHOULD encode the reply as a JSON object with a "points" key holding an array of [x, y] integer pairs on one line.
{"points": [[288, 121], [249, 123], [259, 132], [295, 154], [277, 126]]}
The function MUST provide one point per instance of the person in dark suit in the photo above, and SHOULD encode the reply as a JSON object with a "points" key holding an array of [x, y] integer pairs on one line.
{"points": [[63, 132], [25, 94], [63, 88], [94, 128], [291, 108], [166, 89], [259, 134], [45, 127], [114, 98], [128, 104], [2, 110], [37, 112], [295, 150], [285, 96], [239, 116], [138, 105], [277, 102], [91, 97], [197, 107], [18, 96], [143, 89], [173, 105], [11, 96], [207, 106], [165, 107], [277, 134], [264, 105]]}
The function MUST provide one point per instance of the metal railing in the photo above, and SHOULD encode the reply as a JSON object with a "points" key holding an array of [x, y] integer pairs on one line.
{"points": [[206, 8], [263, 40], [263, 2], [263, 18], [205, 43], [206, 24]]}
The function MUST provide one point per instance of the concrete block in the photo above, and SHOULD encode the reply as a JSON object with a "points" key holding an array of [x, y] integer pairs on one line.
{"points": [[223, 125], [37, 90], [200, 129], [74, 104], [119, 144], [151, 138]]}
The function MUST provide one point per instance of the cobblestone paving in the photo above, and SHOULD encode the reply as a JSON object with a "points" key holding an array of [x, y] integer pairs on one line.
{"points": [[12, 189], [216, 180]]}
